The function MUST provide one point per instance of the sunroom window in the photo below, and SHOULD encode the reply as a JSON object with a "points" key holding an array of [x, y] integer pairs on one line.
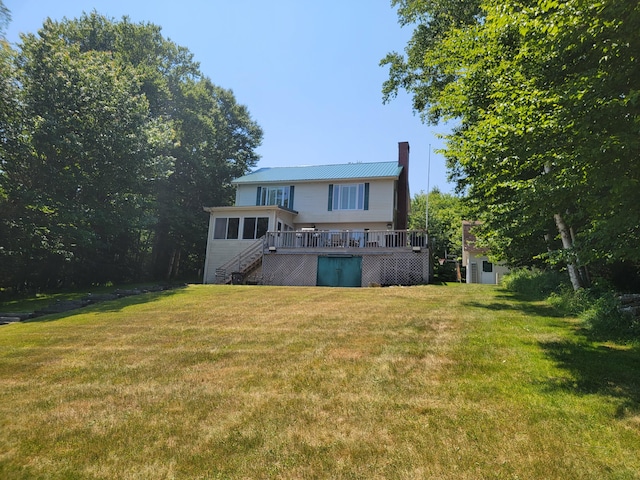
{"points": [[254, 227], [226, 228]]}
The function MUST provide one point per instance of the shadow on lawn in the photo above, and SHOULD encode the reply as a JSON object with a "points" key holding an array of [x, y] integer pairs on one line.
{"points": [[112, 305], [518, 303], [595, 368], [598, 369]]}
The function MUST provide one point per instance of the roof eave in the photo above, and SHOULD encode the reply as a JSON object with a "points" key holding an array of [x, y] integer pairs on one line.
{"points": [[315, 180], [246, 208]]}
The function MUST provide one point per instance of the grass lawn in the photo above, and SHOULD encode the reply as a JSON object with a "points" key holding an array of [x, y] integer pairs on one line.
{"points": [[433, 382]]}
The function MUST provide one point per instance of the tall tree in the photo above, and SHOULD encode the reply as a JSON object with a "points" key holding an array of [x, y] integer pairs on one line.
{"points": [[5, 18], [446, 213], [78, 187], [214, 138], [216, 143], [117, 142], [545, 94], [9, 112]]}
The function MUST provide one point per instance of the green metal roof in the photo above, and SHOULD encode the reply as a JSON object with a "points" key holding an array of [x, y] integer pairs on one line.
{"points": [[347, 171]]}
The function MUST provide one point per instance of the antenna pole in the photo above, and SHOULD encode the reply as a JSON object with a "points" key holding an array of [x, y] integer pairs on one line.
{"points": [[426, 217]]}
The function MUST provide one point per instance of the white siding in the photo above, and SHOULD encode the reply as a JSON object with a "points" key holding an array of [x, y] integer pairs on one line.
{"points": [[220, 252], [246, 195], [474, 269], [311, 203]]}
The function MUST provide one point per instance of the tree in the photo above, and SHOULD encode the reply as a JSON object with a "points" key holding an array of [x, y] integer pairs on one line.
{"points": [[77, 187], [216, 143], [9, 111], [112, 142], [536, 88], [445, 226], [445, 221], [214, 138], [5, 18]]}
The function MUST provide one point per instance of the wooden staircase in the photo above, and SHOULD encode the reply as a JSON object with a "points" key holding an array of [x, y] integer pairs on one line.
{"points": [[237, 269]]}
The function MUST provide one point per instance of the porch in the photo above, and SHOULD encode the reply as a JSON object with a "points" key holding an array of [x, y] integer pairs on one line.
{"points": [[351, 258], [299, 257]]}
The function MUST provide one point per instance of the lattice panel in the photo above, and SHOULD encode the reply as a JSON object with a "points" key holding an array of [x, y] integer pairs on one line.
{"points": [[401, 268], [293, 270]]}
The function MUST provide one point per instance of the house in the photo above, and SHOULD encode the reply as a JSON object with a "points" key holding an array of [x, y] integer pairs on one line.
{"points": [[334, 225], [479, 269]]}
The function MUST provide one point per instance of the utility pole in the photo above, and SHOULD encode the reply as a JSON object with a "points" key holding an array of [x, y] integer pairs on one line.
{"points": [[426, 207]]}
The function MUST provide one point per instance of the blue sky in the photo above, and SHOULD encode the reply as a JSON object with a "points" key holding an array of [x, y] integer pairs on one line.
{"points": [[308, 71]]}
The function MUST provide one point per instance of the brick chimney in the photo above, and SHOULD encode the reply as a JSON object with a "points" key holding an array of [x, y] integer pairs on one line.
{"points": [[404, 199]]}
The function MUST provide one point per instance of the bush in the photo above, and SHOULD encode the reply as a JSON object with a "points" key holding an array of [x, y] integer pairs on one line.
{"points": [[446, 272], [604, 318], [570, 302], [599, 308], [534, 283]]}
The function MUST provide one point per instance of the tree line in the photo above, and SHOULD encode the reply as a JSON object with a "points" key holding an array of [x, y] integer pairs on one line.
{"points": [[545, 99], [111, 142]]}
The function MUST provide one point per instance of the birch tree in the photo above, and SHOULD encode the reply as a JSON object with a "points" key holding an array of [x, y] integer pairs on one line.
{"points": [[544, 96]]}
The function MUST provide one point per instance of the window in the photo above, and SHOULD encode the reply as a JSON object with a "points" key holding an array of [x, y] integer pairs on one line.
{"points": [[280, 195], [262, 227], [226, 228], [254, 227], [487, 267], [349, 197]]}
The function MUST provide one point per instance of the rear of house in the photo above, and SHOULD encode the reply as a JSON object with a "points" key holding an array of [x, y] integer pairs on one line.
{"points": [[338, 225]]}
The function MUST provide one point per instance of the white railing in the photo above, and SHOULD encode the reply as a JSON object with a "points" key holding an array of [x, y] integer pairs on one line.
{"points": [[345, 239]]}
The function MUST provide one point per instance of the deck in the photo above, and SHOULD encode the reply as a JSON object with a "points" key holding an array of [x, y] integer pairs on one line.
{"points": [[344, 241]]}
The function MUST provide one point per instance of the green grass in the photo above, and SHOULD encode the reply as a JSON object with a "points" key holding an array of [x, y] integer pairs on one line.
{"points": [[433, 382], [34, 301]]}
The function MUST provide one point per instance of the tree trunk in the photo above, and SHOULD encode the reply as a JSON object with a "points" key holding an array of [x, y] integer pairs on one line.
{"points": [[175, 271], [582, 270], [170, 265], [565, 235]]}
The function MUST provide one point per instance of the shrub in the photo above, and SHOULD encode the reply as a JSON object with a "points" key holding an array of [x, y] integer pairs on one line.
{"points": [[570, 302], [445, 272], [533, 282], [599, 308], [604, 317]]}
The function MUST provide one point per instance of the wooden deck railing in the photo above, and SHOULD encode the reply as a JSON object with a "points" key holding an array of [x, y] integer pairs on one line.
{"points": [[345, 239]]}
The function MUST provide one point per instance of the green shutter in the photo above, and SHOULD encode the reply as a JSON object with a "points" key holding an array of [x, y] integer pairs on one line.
{"points": [[291, 189], [366, 196], [258, 195], [330, 207]]}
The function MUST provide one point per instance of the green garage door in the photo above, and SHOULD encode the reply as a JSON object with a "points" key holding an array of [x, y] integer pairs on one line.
{"points": [[339, 272]]}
